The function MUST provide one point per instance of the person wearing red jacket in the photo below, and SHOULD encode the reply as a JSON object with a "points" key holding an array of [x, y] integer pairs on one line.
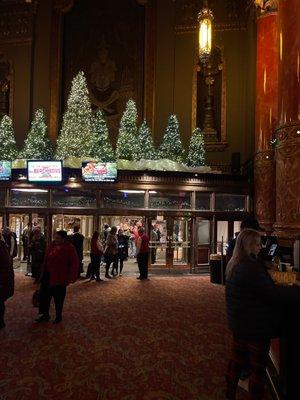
{"points": [[59, 270], [6, 278]]}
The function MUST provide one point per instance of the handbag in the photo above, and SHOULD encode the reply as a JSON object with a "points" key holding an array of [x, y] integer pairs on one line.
{"points": [[36, 299]]}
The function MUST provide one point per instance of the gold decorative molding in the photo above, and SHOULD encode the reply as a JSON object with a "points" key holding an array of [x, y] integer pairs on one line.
{"points": [[218, 27], [229, 15], [16, 22], [266, 6], [264, 184], [9, 78], [288, 131], [215, 146], [287, 155]]}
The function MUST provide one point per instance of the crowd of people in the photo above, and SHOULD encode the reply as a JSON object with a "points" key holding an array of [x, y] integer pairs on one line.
{"points": [[61, 264], [255, 304]]}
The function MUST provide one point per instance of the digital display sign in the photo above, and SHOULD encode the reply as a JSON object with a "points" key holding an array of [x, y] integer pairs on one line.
{"points": [[5, 170], [44, 171], [94, 171]]}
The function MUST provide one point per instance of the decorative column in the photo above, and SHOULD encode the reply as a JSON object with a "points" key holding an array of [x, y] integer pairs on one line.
{"points": [[266, 117], [288, 133]]}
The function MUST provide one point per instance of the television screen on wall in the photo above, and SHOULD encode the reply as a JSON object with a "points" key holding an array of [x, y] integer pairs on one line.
{"points": [[94, 171], [44, 171], [5, 170]]}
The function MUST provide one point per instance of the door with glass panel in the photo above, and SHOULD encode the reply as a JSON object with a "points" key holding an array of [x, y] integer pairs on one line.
{"points": [[222, 236], [17, 223], [202, 245], [128, 225], [67, 223], [170, 244]]}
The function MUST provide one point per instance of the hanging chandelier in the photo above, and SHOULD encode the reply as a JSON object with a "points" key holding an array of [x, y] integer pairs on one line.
{"points": [[205, 20]]}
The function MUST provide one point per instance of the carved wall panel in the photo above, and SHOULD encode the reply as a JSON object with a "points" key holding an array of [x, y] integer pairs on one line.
{"points": [[288, 181], [106, 41], [229, 14], [6, 86], [264, 188], [16, 21]]}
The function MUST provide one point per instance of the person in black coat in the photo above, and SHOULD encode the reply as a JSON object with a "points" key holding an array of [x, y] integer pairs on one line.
{"points": [[122, 251], [254, 309], [6, 278], [37, 248], [77, 241]]}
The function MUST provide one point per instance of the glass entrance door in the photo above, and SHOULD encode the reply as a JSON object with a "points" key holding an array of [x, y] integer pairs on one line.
{"points": [[202, 246], [129, 224], [67, 222], [170, 244], [17, 223]]}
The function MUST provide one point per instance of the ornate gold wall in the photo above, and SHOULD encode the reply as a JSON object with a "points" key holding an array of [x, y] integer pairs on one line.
{"points": [[176, 70], [151, 54]]}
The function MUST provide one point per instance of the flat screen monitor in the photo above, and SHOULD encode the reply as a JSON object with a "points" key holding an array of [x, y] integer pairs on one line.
{"points": [[5, 170], [94, 171], [44, 171]]}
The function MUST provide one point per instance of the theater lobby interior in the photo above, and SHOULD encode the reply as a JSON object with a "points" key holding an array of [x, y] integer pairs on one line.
{"points": [[161, 137]]}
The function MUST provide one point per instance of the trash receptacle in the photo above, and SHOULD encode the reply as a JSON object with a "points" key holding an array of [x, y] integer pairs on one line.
{"points": [[216, 267]]}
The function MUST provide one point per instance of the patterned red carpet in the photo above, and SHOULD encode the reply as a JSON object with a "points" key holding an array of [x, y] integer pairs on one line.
{"points": [[165, 339]]}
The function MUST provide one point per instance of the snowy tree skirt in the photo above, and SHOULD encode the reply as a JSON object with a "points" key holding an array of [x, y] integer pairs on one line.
{"points": [[142, 165]]}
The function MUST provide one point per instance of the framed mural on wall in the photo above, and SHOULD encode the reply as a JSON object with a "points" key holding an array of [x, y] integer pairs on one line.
{"points": [[106, 40]]}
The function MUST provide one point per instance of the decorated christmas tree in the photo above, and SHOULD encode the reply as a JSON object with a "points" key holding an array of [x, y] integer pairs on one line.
{"points": [[102, 149], [171, 146], [196, 154], [145, 143], [127, 145], [77, 137], [37, 146], [8, 147]]}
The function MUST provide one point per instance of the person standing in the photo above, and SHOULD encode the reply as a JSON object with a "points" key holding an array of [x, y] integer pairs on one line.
{"points": [[59, 270], [122, 251], [132, 246], [96, 256], [6, 278], [142, 253], [37, 248], [111, 251], [254, 310], [154, 239], [77, 240], [106, 230], [11, 242], [25, 240]]}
